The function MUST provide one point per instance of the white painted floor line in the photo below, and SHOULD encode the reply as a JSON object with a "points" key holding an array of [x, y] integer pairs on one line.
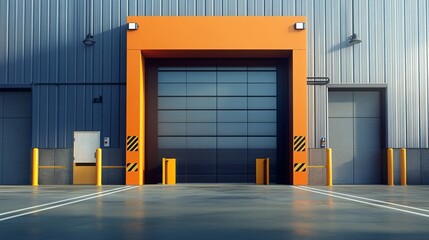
{"points": [[15, 191], [60, 201], [65, 204], [368, 199], [363, 202]]}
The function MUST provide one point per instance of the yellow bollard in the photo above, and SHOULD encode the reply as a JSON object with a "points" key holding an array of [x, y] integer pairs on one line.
{"points": [[35, 167], [263, 171], [168, 171], [329, 167], [267, 171], [390, 166], [403, 166], [98, 163]]}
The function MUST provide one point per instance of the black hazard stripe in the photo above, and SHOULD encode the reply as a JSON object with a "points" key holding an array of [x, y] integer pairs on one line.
{"points": [[298, 143], [132, 143], [132, 167], [299, 167]]}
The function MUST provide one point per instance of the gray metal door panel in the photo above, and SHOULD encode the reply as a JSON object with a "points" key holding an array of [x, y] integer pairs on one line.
{"points": [[367, 159], [367, 166], [17, 104], [367, 104], [341, 135], [16, 166], [16, 150], [15, 137], [367, 133], [16, 133], [341, 104], [355, 137]]}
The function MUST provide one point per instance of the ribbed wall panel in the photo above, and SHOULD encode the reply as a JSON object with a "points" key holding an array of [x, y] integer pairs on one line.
{"points": [[423, 63], [391, 57], [361, 51], [64, 109], [412, 73], [4, 43], [346, 52], [376, 47], [288, 7], [320, 50], [41, 42], [395, 73]]}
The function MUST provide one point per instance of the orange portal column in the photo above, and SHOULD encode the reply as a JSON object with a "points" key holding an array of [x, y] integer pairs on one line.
{"points": [[135, 146], [299, 117]]}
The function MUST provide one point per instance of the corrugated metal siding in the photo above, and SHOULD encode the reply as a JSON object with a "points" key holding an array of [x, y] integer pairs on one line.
{"points": [[395, 72], [64, 109], [412, 74], [41, 43], [423, 63]]}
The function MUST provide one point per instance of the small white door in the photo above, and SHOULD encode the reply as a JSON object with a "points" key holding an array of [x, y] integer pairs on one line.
{"points": [[85, 145]]}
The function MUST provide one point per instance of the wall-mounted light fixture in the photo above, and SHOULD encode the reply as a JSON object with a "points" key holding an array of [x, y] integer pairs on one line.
{"points": [[299, 26], [133, 26], [89, 40], [353, 39]]}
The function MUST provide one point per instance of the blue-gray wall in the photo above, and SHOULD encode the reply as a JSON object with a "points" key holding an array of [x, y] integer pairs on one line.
{"points": [[41, 42]]}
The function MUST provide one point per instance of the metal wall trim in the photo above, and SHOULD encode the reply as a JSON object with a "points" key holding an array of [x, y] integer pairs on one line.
{"points": [[359, 86], [75, 84]]}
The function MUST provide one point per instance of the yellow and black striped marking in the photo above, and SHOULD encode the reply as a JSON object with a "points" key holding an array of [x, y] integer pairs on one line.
{"points": [[132, 167], [299, 167], [132, 143], [299, 144]]}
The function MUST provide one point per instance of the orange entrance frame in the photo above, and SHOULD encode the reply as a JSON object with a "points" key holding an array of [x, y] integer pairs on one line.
{"points": [[215, 37]]}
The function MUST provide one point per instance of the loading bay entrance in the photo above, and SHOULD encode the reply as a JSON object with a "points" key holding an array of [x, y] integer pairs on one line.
{"points": [[197, 38], [216, 120]]}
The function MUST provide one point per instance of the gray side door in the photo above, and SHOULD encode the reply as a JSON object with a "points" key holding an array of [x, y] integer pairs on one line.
{"points": [[355, 136], [15, 137]]}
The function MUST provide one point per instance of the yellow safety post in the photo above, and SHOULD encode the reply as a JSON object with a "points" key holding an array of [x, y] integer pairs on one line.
{"points": [[35, 167], [267, 171], [98, 163], [329, 167], [168, 171], [262, 171], [163, 171], [403, 166], [390, 166]]}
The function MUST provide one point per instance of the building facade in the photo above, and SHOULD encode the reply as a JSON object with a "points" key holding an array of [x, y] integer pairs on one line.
{"points": [[52, 84]]}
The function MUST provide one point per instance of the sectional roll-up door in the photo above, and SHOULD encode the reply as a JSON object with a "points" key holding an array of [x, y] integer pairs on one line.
{"points": [[217, 120]]}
